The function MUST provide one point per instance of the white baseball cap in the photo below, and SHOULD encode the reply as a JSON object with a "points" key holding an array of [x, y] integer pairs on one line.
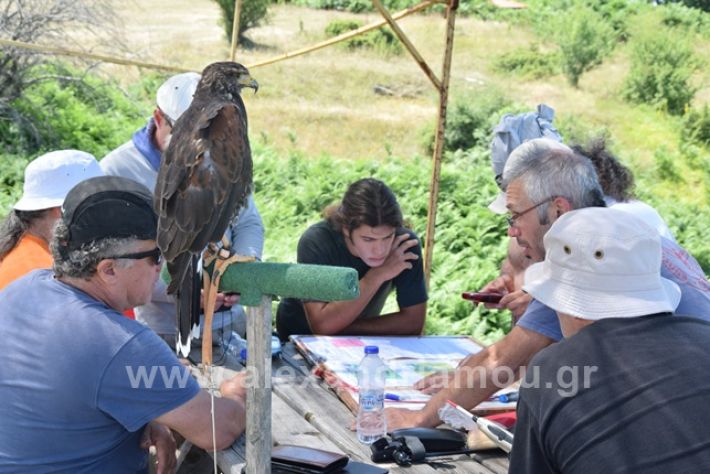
{"points": [[174, 96], [48, 178], [602, 263]]}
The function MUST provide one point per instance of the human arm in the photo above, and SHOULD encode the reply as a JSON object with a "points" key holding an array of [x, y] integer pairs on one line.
{"points": [[247, 231], [406, 321], [336, 316], [473, 382], [145, 382], [510, 282], [193, 420], [528, 454]]}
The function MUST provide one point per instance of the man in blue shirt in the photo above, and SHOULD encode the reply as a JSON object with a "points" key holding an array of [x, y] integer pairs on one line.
{"points": [[543, 180], [85, 389]]}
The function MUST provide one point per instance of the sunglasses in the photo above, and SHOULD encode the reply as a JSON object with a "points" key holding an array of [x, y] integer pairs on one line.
{"points": [[154, 254]]}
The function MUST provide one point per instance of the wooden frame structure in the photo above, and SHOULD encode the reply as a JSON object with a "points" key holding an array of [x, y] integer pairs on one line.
{"points": [[440, 84]]}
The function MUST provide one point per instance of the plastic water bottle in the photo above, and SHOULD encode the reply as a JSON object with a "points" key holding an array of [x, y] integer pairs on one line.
{"points": [[234, 345], [371, 375]]}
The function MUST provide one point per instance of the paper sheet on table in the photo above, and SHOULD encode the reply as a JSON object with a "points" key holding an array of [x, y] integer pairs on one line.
{"points": [[408, 358]]}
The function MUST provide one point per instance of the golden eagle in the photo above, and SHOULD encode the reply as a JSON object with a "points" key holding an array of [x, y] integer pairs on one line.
{"points": [[204, 179]]}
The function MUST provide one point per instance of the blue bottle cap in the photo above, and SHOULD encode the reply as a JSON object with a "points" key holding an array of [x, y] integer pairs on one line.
{"points": [[372, 350]]}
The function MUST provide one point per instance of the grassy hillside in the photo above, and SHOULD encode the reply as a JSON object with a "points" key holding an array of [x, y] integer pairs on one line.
{"points": [[317, 124]]}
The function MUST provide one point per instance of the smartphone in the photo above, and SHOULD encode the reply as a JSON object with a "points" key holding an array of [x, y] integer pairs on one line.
{"points": [[482, 297]]}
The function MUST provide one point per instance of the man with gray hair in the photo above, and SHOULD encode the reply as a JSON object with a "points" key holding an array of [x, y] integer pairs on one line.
{"points": [[543, 180], [139, 159], [624, 390], [85, 389]]}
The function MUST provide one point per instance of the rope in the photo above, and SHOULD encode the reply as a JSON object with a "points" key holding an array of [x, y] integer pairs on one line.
{"points": [[81, 54]]}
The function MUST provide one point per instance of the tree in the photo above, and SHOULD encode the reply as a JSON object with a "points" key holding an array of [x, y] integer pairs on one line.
{"points": [[584, 39], [252, 13], [44, 22]]}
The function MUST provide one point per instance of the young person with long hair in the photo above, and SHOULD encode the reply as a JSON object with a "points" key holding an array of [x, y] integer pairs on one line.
{"points": [[365, 231]]}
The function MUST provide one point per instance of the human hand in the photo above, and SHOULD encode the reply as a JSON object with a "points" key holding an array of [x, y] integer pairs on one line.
{"points": [[514, 300], [517, 302], [236, 387], [160, 436], [402, 418], [433, 383], [399, 258], [223, 299]]}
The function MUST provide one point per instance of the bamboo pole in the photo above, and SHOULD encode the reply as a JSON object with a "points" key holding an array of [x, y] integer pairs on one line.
{"points": [[81, 54], [407, 44], [346, 36], [439, 140], [235, 29]]}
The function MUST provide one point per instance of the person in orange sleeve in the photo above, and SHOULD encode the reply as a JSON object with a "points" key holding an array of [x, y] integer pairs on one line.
{"points": [[26, 232]]}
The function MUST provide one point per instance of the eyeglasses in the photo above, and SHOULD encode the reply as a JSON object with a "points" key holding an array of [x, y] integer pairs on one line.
{"points": [[517, 215], [153, 254]]}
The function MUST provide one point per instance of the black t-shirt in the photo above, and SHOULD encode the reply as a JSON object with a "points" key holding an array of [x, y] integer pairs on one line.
{"points": [[323, 245], [644, 408]]}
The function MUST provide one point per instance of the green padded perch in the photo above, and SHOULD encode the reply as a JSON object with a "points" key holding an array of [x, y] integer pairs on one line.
{"points": [[287, 280], [311, 282]]}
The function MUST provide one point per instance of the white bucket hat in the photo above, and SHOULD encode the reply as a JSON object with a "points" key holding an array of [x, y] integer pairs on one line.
{"points": [[174, 96], [602, 263], [48, 178], [511, 132]]}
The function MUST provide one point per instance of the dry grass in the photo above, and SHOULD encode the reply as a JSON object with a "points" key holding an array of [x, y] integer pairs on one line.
{"points": [[323, 102]]}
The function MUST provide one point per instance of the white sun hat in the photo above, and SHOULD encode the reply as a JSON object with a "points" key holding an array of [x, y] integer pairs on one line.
{"points": [[48, 178], [602, 263], [174, 96]]}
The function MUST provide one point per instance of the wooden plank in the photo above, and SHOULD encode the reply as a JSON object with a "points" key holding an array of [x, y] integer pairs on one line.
{"points": [[258, 433]]}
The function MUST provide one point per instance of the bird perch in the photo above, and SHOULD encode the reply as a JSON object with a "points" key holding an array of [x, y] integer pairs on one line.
{"points": [[257, 283]]}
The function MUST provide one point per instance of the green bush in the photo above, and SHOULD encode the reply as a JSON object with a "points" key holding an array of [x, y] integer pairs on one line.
{"points": [[77, 111], [12, 170], [470, 121], [662, 64], [584, 39], [666, 165], [544, 14], [528, 62], [703, 5], [676, 15], [696, 126], [381, 40], [251, 14]]}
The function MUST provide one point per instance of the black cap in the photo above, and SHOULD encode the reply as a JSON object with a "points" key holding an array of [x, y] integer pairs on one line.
{"points": [[108, 207]]}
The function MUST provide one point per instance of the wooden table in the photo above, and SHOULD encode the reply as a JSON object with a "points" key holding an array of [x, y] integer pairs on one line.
{"points": [[306, 412]]}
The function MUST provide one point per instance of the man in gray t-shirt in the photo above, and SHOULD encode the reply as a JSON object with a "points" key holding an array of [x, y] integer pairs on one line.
{"points": [[139, 159], [624, 390]]}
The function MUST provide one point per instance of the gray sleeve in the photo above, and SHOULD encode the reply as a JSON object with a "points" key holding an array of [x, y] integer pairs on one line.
{"points": [[247, 233], [528, 455]]}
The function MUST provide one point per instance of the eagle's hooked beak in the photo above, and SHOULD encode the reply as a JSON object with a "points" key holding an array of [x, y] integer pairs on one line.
{"points": [[245, 80]]}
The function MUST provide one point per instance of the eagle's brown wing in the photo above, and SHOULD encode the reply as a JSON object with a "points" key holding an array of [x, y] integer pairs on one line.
{"points": [[204, 180]]}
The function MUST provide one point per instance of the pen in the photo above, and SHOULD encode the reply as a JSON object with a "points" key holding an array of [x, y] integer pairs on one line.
{"points": [[497, 433], [505, 397], [403, 398]]}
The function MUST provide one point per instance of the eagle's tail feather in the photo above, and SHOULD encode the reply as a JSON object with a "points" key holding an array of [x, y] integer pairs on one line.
{"points": [[188, 304]]}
